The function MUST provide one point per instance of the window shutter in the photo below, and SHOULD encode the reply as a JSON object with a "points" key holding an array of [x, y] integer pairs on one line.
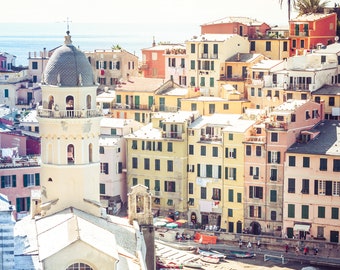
{"points": [[25, 180], [269, 156], [234, 173], [28, 203], [17, 204], [37, 179], [260, 193], [226, 173], [251, 170], [251, 192], [329, 188], [234, 153], [278, 157], [2, 181], [226, 152], [14, 180], [198, 169], [219, 172], [316, 190]]}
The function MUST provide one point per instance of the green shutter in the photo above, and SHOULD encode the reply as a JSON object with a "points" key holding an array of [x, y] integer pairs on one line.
{"points": [[18, 208], [198, 170], [2, 181], [25, 180], [219, 171], [226, 173], [14, 180], [28, 203], [278, 157], [226, 152]]}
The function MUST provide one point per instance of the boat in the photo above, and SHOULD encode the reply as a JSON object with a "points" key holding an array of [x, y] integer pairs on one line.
{"points": [[208, 253], [162, 264], [210, 259], [193, 265], [242, 254]]}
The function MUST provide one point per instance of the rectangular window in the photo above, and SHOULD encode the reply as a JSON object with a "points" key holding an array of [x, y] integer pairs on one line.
{"points": [[321, 212], [273, 174], [273, 195], [192, 64], [258, 151], [230, 173], [336, 165], [191, 149], [134, 181], [239, 197], [285, 46], [231, 136], [211, 108], [146, 164], [291, 161], [331, 101], [203, 150], [305, 211], [216, 194], [230, 212], [102, 188], [34, 65], [230, 195], [157, 165], [291, 210], [104, 167], [225, 106], [192, 48], [305, 162], [191, 188], [268, 46], [323, 164], [336, 188], [230, 152], [248, 150], [203, 192], [252, 46], [170, 186], [101, 150], [134, 144], [170, 165], [291, 185], [274, 157], [119, 167], [305, 186], [215, 151], [23, 204], [135, 163], [193, 106], [256, 192], [147, 183], [169, 146], [31, 180], [335, 213], [274, 137]]}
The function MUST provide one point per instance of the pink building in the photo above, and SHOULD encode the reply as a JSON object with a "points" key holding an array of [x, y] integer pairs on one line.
{"points": [[264, 163], [312, 184]]}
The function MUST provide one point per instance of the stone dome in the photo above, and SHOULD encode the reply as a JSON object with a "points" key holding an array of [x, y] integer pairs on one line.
{"points": [[68, 66]]}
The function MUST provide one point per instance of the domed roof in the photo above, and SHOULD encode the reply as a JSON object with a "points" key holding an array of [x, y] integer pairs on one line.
{"points": [[68, 66]]}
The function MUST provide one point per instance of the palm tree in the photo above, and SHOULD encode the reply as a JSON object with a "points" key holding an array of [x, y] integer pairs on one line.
{"points": [[310, 6], [290, 3]]}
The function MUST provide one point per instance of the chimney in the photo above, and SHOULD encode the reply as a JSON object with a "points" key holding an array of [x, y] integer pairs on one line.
{"points": [[153, 42]]}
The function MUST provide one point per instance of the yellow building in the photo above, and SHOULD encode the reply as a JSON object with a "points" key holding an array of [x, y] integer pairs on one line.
{"points": [[233, 103], [205, 56], [157, 158], [272, 48], [235, 71], [215, 171], [138, 97], [329, 95]]}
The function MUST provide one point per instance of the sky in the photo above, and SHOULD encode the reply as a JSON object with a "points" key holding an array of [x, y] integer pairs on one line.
{"points": [[147, 11]]}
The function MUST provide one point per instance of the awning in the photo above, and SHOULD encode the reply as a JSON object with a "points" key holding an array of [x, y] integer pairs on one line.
{"points": [[301, 227]]}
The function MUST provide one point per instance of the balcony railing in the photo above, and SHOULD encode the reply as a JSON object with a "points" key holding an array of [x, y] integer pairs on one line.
{"points": [[277, 126], [255, 139], [172, 135], [210, 138], [47, 113]]}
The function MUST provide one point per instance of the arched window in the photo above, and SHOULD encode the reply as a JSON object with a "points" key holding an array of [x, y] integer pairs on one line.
{"points": [[79, 266], [70, 154], [69, 106], [50, 102], [90, 152], [88, 102]]}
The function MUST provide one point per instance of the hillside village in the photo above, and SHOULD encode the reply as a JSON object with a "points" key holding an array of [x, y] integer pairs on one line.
{"points": [[235, 130]]}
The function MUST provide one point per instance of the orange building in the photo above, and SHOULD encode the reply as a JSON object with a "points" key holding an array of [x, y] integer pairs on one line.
{"points": [[312, 31], [242, 26]]}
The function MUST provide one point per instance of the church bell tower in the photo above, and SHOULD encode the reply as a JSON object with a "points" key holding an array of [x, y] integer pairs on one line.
{"points": [[69, 124]]}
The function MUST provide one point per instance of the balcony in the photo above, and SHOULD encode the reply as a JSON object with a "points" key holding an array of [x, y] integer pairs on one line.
{"points": [[122, 106], [47, 113], [210, 138], [172, 135], [255, 139], [277, 126]]}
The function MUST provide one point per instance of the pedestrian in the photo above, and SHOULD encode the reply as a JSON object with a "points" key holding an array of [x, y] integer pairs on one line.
{"points": [[305, 250], [297, 250], [316, 250], [249, 245], [240, 243], [286, 248], [258, 245]]}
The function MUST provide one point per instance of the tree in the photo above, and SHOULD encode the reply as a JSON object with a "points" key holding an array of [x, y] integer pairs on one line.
{"points": [[290, 3], [310, 6], [116, 47]]}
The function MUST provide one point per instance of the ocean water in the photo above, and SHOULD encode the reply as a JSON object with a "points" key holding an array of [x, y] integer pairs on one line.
{"points": [[19, 38]]}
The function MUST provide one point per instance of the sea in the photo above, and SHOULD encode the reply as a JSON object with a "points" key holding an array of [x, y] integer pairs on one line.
{"points": [[20, 39]]}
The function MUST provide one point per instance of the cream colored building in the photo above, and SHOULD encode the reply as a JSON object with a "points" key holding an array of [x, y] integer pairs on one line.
{"points": [[206, 55]]}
